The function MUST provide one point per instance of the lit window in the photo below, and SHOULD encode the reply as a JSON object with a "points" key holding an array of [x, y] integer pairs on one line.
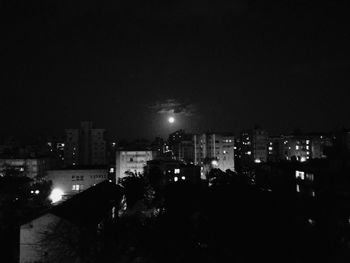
{"points": [[183, 177], [257, 161], [303, 159], [176, 179], [270, 148], [307, 142], [307, 147], [249, 152], [297, 147], [176, 171], [298, 188], [77, 187]]}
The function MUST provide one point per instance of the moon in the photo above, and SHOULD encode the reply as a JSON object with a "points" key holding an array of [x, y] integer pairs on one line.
{"points": [[171, 119]]}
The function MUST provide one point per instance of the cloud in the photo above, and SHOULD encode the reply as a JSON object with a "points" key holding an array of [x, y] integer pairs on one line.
{"points": [[172, 106]]}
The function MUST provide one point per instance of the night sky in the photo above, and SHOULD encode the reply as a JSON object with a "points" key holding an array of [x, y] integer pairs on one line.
{"points": [[218, 65]]}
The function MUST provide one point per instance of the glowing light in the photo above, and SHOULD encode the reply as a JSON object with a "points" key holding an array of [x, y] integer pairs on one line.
{"points": [[299, 174], [183, 177], [176, 171], [257, 161], [37, 192], [175, 179], [302, 159], [171, 119], [56, 195], [214, 163], [311, 221]]}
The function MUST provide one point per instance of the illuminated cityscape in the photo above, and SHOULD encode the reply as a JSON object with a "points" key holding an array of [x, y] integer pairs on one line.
{"points": [[187, 131]]}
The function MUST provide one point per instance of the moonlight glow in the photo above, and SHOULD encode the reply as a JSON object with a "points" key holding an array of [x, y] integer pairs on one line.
{"points": [[171, 119]]}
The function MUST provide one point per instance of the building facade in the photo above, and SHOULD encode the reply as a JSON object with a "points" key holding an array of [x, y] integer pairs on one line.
{"points": [[174, 170], [85, 146], [253, 146], [298, 147], [181, 146], [73, 181], [218, 148], [128, 161], [33, 168]]}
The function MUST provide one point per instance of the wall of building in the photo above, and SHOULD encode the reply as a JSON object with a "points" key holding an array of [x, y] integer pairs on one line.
{"points": [[71, 148], [31, 168], [131, 161], [175, 171], [76, 180], [98, 147], [85, 146], [260, 145], [215, 146]]}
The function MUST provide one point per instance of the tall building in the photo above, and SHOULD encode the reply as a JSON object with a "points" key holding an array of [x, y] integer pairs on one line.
{"points": [[181, 145], [85, 146], [259, 145], [254, 146], [218, 148]]}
